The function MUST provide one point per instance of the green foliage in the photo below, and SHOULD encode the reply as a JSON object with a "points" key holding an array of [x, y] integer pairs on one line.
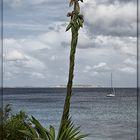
{"points": [[69, 26], [5, 112], [12, 124], [70, 132], [36, 131], [20, 127]]}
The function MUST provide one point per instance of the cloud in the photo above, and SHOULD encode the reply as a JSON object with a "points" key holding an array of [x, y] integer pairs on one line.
{"points": [[87, 68], [25, 27], [37, 75], [38, 46], [100, 65], [47, 55], [34, 64], [20, 50], [124, 45], [115, 19], [14, 3], [14, 56], [130, 61], [129, 70], [56, 36], [52, 58], [20, 3], [24, 44], [19, 61]]}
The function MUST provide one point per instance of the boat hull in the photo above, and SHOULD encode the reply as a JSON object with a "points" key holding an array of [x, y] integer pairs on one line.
{"points": [[110, 95]]}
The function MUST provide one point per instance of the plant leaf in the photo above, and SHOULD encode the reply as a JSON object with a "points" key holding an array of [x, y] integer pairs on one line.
{"points": [[71, 3], [68, 27], [80, 22], [27, 133], [52, 132], [77, 7]]}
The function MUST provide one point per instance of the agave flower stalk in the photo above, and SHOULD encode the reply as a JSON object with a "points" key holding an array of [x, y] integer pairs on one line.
{"points": [[67, 130], [76, 21]]}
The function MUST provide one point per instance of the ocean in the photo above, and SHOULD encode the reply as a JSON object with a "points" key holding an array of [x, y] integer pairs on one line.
{"points": [[105, 118]]}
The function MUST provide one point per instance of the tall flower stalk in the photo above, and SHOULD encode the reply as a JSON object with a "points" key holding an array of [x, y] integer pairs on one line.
{"points": [[76, 21]]}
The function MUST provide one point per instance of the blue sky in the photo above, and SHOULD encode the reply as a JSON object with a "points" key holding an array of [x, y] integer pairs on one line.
{"points": [[36, 46]]}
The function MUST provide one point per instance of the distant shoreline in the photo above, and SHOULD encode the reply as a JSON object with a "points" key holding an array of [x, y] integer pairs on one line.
{"points": [[38, 90], [65, 87]]}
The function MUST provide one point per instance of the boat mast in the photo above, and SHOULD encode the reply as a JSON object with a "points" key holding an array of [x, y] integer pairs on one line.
{"points": [[111, 81], [112, 84]]}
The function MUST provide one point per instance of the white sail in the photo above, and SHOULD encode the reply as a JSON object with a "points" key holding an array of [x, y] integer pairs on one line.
{"points": [[112, 92]]}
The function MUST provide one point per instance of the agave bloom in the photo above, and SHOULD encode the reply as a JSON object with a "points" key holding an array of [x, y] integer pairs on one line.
{"points": [[76, 22], [73, 1]]}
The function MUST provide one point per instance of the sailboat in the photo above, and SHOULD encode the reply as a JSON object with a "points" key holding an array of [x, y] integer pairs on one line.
{"points": [[112, 91]]}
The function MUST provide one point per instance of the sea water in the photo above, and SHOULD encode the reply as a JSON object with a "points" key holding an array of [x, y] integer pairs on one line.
{"points": [[105, 118]]}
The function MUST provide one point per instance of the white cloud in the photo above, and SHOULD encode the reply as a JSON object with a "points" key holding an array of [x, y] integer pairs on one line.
{"points": [[87, 69], [37, 75], [52, 58], [96, 56], [34, 64], [33, 44], [24, 44], [19, 52], [56, 36], [129, 70], [111, 19], [14, 56], [130, 61], [100, 65], [94, 73], [124, 45]]}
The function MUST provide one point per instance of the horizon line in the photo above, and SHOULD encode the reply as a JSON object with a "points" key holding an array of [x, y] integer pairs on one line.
{"points": [[63, 87]]}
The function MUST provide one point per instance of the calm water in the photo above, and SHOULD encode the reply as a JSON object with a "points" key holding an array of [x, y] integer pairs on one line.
{"points": [[105, 118]]}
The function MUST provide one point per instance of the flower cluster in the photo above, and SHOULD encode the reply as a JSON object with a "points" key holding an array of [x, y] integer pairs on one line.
{"points": [[77, 19]]}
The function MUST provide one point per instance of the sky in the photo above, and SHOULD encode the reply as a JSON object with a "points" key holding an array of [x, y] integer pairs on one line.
{"points": [[36, 46]]}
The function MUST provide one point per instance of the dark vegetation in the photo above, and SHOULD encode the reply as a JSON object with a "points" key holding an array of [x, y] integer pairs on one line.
{"points": [[20, 127]]}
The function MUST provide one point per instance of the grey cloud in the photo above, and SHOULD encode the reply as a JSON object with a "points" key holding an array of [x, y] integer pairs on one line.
{"points": [[115, 1], [65, 44], [111, 19], [113, 30]]}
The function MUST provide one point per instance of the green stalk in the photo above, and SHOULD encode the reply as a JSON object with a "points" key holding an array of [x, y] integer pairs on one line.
{"points": [[75, 26], [71, 73]]}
